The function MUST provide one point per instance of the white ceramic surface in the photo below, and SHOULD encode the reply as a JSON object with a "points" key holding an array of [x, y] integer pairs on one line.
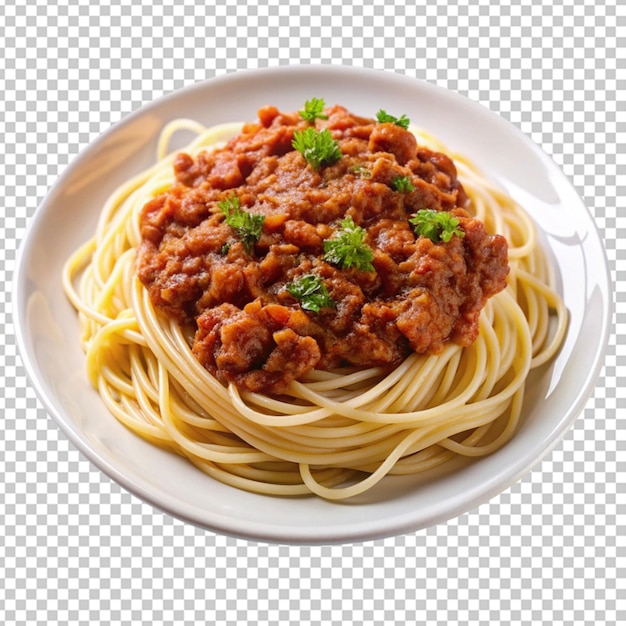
{"points": [[47, 330]]}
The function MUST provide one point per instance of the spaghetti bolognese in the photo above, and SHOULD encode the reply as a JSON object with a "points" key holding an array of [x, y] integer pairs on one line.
{"points": [[313, 301]]}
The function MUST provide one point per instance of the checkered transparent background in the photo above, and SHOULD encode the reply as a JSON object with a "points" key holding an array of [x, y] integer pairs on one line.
{"points": [[77, 549]]}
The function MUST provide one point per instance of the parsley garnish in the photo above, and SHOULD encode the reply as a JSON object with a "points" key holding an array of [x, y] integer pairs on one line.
{"points": [[247, 225], [436, 225], [403, 121], [348, 248], [313, 109], [402, 184], [311, 292], [360, 170], [318, 148]]}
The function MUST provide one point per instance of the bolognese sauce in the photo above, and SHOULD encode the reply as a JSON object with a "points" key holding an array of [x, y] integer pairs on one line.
{"points": [[243, 248]]}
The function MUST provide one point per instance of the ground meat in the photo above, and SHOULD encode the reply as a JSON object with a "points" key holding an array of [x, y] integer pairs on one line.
{"points": [[251, 330]]}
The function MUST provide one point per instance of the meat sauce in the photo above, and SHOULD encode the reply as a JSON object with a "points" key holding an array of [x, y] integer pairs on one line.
{"points": [[249, 329]]}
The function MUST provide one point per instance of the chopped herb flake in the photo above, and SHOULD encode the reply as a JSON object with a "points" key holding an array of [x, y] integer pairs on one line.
{"points": [[313, 109], [436, 225], [403, 121], [247, 225], [311, 291], [317, 147], [402, 184], [348, 248]]}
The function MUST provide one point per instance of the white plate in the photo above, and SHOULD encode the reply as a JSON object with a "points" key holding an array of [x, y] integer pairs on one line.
{"points": [[47, 331]]}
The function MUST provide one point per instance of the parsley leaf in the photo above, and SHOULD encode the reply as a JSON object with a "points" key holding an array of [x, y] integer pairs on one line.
{"points": [[318, 148], [247, 225], [402, 184], [436, 225], [311, 292], [360, 170], [403, 121], [348, 248], [313, 109]]}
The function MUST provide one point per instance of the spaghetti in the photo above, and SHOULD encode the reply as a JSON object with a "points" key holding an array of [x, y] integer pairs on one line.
{"points": [[335, 433]]}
